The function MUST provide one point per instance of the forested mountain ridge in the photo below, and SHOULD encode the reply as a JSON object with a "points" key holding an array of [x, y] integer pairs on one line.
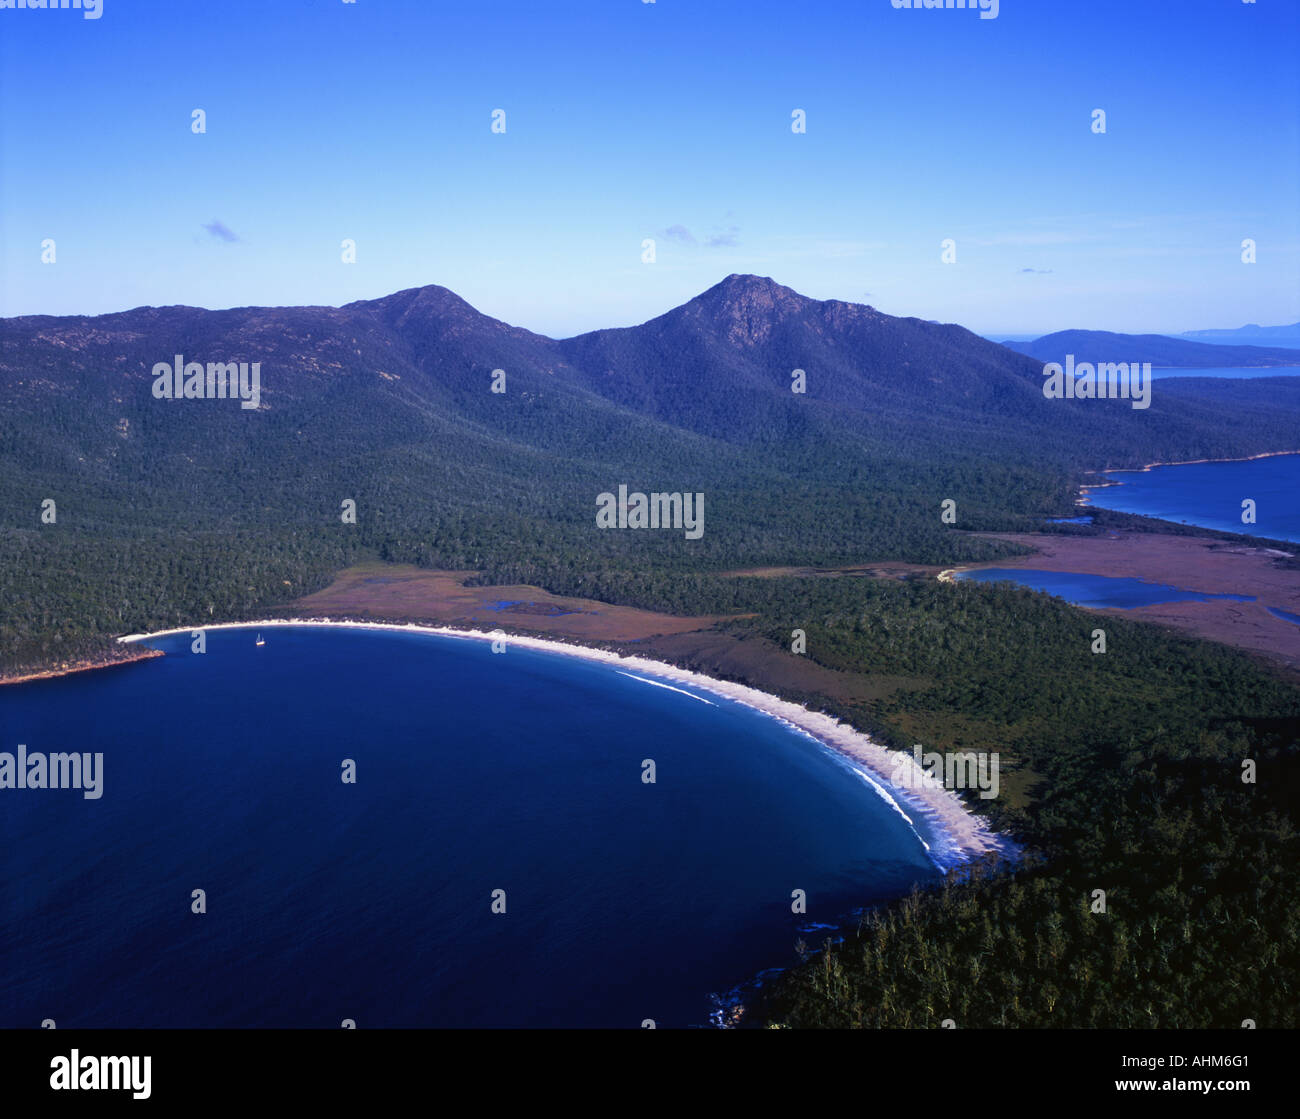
{"points": [[389, 403], [721, 366]]}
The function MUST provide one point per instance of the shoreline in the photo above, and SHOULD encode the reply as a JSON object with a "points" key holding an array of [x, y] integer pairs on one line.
{"points": [[954, 834], [1193, 370], [1085, 488], [1206, 563], [88, 665]]}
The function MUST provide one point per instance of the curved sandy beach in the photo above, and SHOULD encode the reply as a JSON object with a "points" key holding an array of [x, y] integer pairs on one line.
{"points": [[951, 833]]}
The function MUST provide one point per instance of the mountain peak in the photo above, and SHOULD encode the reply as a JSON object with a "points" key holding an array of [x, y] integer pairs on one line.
{"points": [[745, 308], [429, 299], [742, 286], [432, 308]]}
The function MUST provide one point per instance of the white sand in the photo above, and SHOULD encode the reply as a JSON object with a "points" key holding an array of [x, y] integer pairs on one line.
{"points": [[951, 833]]}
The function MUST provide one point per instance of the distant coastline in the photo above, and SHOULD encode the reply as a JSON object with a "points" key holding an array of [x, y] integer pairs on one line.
{"points": [[1087, 488], [959, 834], [84, 664], [1199, 370]]}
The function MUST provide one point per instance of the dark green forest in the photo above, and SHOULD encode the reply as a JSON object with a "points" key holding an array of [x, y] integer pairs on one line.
{"points": [[1126, 776]]}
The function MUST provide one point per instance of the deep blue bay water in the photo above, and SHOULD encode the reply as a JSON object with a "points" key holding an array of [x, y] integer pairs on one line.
{"points": [[1094, 590], [476, 772], [1210, 494]]}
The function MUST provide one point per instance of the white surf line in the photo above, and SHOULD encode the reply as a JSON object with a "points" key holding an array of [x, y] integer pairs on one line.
{"points": [[657, 684], [863, 773], [960, 834]]}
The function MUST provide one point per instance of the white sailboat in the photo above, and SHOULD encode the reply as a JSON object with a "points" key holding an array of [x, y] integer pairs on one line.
{"points": [[260, 640]]}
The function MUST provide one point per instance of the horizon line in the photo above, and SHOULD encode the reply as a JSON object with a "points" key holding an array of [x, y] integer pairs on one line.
{"points": [[986, 335]]}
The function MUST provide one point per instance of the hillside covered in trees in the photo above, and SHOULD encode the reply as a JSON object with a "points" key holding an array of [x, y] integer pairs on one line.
{"points": [[168, 510]]}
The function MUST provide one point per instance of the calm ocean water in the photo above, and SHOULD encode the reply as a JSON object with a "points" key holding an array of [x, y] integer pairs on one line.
{"points": [[1210, 494], [1235, 373], [1095, 590], [476, 772]]}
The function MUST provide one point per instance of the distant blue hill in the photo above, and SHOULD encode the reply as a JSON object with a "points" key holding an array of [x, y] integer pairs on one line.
{"points": [[1287, 337], [1159, 349]]}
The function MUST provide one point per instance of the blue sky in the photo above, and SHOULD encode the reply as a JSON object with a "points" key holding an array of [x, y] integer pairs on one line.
{"points": [[625, 121]]}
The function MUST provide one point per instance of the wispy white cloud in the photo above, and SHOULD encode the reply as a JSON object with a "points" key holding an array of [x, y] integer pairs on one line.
{"points": [[221, 231], [721, 238]]}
